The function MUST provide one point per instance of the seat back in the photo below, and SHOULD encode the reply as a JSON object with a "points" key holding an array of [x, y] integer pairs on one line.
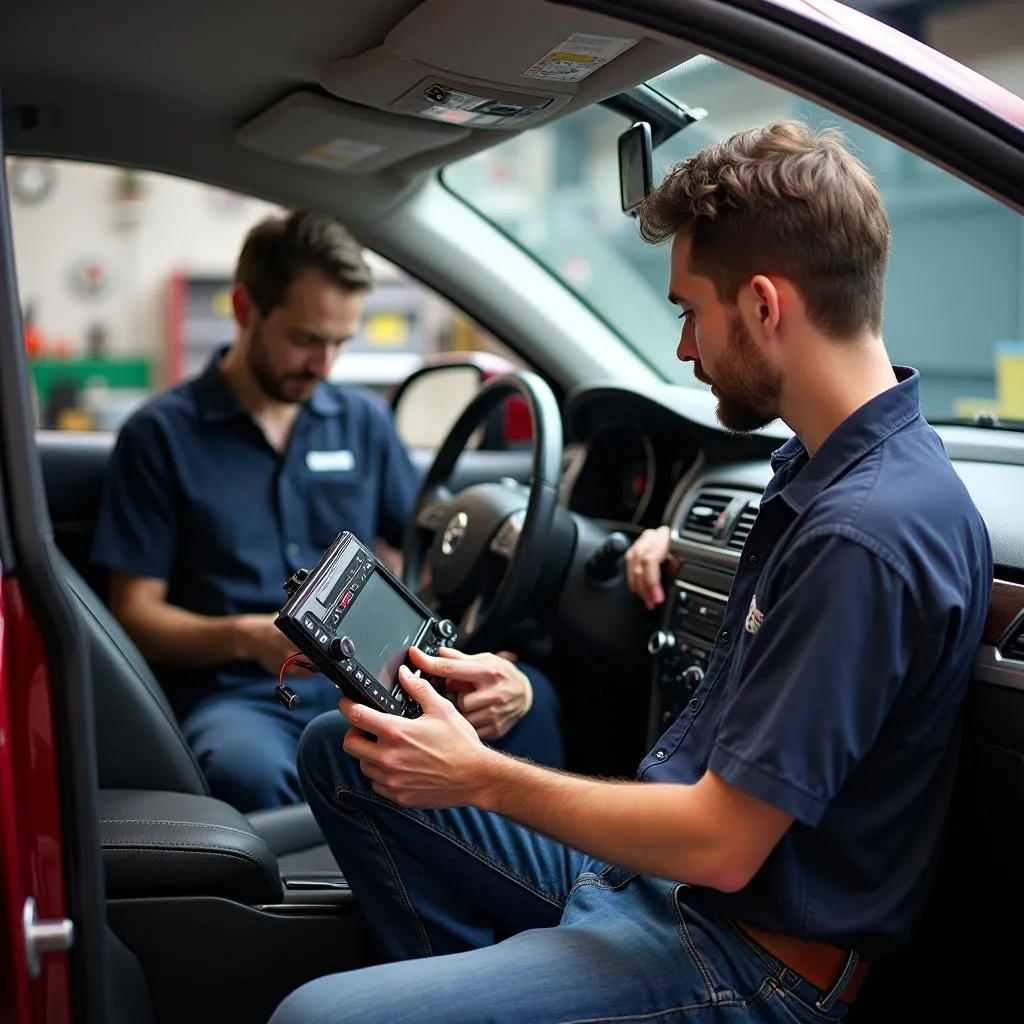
{"points": [[74, 466], [138, 742]]}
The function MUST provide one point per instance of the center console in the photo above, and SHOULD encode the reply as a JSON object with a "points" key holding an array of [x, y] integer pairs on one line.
{"points": [[197, 895], [692, 618]]}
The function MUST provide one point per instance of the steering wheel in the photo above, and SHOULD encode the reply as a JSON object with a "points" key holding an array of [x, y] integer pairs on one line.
{"points": [[484, 547]]}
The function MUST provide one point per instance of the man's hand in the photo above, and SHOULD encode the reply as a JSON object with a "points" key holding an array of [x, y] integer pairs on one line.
{"points": [[650, 551], [487, 688], [431, 761], [260, 640]]}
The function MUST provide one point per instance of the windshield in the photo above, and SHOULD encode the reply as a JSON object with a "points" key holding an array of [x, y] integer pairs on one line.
{"points": [[954, 293]]}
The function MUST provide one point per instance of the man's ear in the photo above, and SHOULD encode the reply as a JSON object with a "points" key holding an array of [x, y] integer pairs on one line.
{"points": [[761, 304], [243, 307]]}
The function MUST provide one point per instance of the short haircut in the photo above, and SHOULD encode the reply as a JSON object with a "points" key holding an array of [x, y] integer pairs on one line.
{"points": [[782, 200], [280, 249]]}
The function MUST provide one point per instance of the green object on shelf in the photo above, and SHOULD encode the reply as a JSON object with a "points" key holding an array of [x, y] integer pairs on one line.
{"points": [[116, 373]]}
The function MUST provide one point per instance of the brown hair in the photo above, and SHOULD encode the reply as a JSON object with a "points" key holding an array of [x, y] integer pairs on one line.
{"points": [[785, 200], [279, 249]]}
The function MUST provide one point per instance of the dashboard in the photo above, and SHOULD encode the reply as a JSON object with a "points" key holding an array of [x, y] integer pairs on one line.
{"points": [[623, 475], [641, 460], [625, 461]]}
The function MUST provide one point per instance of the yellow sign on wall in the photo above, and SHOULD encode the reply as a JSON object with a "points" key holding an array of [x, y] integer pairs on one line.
{"points": [[1010, 379], [222, 303], [1009, 401], [386, 330]]}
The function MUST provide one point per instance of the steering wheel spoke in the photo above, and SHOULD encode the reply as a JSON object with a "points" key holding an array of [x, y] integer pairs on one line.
{"points": [[470, 617], [435, 510], [506, 540]]}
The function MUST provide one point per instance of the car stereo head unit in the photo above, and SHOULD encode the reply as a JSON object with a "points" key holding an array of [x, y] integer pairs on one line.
{"points": [[355, 620]]}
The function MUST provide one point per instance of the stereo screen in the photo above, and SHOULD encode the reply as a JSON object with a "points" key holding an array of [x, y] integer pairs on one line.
{"points": [[382, 625]]}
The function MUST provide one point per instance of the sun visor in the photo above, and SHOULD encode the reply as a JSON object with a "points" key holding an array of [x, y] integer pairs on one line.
{"points": [[306, 128], [489, 65]]}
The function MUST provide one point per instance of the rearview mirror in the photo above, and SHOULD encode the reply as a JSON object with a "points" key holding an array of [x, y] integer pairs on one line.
{"points": [[636, 163]]}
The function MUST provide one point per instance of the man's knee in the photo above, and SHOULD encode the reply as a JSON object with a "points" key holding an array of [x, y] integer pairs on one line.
{"points": [[246, 763], [321, 760], [249, 777], [355, 995]]}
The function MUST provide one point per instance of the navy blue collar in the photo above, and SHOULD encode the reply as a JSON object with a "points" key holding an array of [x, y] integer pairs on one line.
{"points": [[217, 401], [857, 435]]}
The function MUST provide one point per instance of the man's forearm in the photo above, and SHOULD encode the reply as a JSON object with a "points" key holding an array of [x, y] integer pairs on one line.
{"points": [[173, 636], [669, 830]]}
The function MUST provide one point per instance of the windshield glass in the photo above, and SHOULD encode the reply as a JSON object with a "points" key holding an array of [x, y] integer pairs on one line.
{"points": [[954, 293]]}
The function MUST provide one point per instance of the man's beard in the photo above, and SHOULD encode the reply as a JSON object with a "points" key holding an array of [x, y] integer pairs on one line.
{"points": [[747, 388], [280, 388]]}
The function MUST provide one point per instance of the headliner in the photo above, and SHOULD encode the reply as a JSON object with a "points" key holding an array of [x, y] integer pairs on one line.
{"points": [[165, 86]]}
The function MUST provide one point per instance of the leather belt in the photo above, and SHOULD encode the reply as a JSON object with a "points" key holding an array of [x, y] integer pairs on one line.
{"points": [[816, 962]]}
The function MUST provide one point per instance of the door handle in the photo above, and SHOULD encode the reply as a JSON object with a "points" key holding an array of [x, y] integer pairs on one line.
{"points": [[44, 937]]}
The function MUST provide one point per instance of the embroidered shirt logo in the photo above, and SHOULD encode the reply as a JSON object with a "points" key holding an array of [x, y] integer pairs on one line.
{"points": [[754, 617]]}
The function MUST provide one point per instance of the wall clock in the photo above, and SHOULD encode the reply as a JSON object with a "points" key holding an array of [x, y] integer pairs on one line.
{"points": [[32, 180]]}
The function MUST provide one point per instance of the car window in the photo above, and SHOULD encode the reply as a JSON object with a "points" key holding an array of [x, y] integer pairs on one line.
{"points": [[954, 292], [125, 281]]}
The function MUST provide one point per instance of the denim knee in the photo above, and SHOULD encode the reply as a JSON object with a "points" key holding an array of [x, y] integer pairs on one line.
{"points": [[249, 782], [322, 760]]}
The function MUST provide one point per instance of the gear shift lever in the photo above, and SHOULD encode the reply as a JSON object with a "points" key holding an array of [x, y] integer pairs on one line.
{"points": [[603, 564]]}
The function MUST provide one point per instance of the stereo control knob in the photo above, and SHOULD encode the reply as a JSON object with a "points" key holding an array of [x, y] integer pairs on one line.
{"points": [[692, 676], [342, 647], [661, 641], [445, 629]]}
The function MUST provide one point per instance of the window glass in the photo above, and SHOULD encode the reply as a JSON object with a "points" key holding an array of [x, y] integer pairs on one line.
{"points": [[954, 292]]}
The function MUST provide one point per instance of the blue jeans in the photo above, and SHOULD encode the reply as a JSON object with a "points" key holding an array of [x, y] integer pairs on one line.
{"points": [[245, 740], [489, 921]]}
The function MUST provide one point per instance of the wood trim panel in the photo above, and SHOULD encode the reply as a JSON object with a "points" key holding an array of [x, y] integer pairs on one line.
{"points": [[1006, 602]]}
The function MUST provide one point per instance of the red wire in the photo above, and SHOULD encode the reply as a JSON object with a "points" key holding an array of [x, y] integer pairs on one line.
{"points": [[293, 659]]}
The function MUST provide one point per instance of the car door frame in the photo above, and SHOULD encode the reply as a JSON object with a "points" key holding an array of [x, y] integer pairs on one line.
{"points": [[50, 850]]}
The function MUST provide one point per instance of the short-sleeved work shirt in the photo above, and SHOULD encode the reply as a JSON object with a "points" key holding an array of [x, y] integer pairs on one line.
{"points": [[834, 688], [196, 496]]}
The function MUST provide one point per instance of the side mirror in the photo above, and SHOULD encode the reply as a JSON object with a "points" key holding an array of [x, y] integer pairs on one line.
{"points": [[429, 401]]}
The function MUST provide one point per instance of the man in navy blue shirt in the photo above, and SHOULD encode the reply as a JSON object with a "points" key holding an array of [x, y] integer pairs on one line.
{"points": [[223, 486], [782, 832]]}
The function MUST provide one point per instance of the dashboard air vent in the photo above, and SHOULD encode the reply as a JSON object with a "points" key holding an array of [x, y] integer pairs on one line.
{"points": [[704, 512], [1012, 648], [744, 524]]}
